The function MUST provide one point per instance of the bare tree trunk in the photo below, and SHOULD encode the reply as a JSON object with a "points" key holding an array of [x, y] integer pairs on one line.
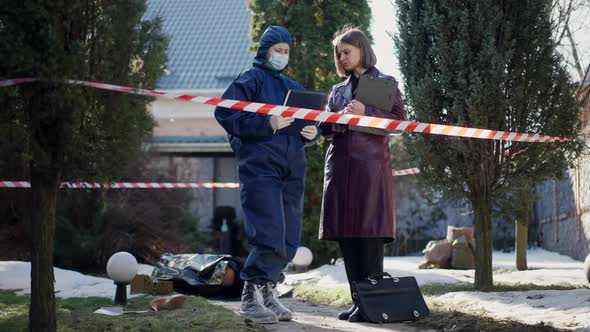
{"points": [[481, 202], [577, 63], [47, 134], [44, 193], [565, 11], [522, 229], [523, 198], [483, 242]]}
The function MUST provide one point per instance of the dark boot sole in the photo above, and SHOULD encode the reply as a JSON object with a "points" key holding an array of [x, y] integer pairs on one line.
{"points": [[343, 316], [261, 321]]}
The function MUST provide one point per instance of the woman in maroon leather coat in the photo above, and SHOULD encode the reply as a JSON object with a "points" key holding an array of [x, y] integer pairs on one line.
{"points": [[357, 206]]}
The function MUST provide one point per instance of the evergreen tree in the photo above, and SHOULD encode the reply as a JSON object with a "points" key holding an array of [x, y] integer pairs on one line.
{"points": [[485, 64], [64, 132], [312, 24]]}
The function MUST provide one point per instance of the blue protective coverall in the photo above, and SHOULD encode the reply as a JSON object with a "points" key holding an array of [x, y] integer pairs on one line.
{"points": [[271, 167]]}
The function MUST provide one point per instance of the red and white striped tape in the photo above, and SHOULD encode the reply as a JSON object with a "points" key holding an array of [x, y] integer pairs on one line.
{"points": [[408, 171], [157, 185], [316, 115], [16, 81], [127, 185], [507, 153]]}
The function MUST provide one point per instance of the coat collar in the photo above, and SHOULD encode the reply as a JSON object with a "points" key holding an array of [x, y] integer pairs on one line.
{"points": [[347, 85], [371, 71], [343, 90]]}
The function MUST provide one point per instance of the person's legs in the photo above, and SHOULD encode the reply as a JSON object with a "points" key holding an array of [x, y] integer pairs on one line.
{"points": [[373, 256], [352, 253], [349, 248], [371, 252], [264, 224], [292, 195]]}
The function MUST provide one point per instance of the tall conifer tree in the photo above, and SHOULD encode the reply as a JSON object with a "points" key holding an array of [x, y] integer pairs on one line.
{"points": [[485, 64], [68, 133]]}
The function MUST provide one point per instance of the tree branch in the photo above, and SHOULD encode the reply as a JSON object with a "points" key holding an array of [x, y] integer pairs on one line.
{"points": [[577, 64]]}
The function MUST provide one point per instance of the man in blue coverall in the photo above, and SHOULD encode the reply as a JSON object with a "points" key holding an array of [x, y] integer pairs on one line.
{"points": [[271, 167]]}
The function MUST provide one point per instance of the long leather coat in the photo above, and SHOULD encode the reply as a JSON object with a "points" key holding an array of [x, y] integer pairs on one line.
{"points": [[358, 184]]}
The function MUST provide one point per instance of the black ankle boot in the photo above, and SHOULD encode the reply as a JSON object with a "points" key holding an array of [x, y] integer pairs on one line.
{"points": [[345, 314], [356, 316]]}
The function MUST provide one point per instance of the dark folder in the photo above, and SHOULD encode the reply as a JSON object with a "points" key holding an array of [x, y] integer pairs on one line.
{"points": [[305, 99], [377, 92]]}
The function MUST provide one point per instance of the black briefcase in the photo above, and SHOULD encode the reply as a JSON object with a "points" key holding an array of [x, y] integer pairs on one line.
{"points": [[385, 299]]}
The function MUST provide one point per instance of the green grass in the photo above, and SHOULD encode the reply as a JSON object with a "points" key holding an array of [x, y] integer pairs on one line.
{"points": [[14, 311], [441, 317], [76, 314], [337, 297]]}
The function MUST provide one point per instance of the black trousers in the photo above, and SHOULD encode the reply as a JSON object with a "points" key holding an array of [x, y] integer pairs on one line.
{"points": [[362, 257]]}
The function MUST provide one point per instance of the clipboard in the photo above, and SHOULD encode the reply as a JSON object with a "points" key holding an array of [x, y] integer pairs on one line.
{"points": [[378, 92], [306, 99]]}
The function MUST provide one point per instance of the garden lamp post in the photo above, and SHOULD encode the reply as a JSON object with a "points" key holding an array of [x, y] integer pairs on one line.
{"points": [[121, 268], [303, 257]]}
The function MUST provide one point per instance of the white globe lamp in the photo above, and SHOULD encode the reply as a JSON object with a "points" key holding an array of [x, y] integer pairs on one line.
{"points": [[303, 257], [121, 268]]}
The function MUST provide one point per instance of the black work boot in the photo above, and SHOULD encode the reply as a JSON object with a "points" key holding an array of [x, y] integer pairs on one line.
{"points": [[252, 307], [356, 316], [271, 301], [343, 315]]}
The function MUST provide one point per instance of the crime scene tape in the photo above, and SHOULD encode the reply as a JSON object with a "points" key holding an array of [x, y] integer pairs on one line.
{"points": [[318, 115], [408, 171], [158, 185], [127, 185], [507, 153], [16, 81]]}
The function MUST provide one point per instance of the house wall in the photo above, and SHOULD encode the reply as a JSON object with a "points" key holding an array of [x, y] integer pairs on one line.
{"points": [[188, 127], [202, 168], [561, 219], [181, 118]]}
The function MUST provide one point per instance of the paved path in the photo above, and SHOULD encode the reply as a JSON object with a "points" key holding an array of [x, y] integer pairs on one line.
{"points": [[312, 317]]}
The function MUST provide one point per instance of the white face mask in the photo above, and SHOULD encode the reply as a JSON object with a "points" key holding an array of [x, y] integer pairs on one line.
{"points": [[277, 61]]}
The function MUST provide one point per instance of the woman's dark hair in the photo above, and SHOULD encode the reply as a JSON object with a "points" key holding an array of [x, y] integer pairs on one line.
{"points": [[355, 37]]}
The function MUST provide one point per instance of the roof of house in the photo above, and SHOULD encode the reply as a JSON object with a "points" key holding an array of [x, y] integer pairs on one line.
{"points": [[209, 41]]}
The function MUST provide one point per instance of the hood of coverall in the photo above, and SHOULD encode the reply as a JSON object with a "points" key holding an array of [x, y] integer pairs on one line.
{"points": [[273, 35]]}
